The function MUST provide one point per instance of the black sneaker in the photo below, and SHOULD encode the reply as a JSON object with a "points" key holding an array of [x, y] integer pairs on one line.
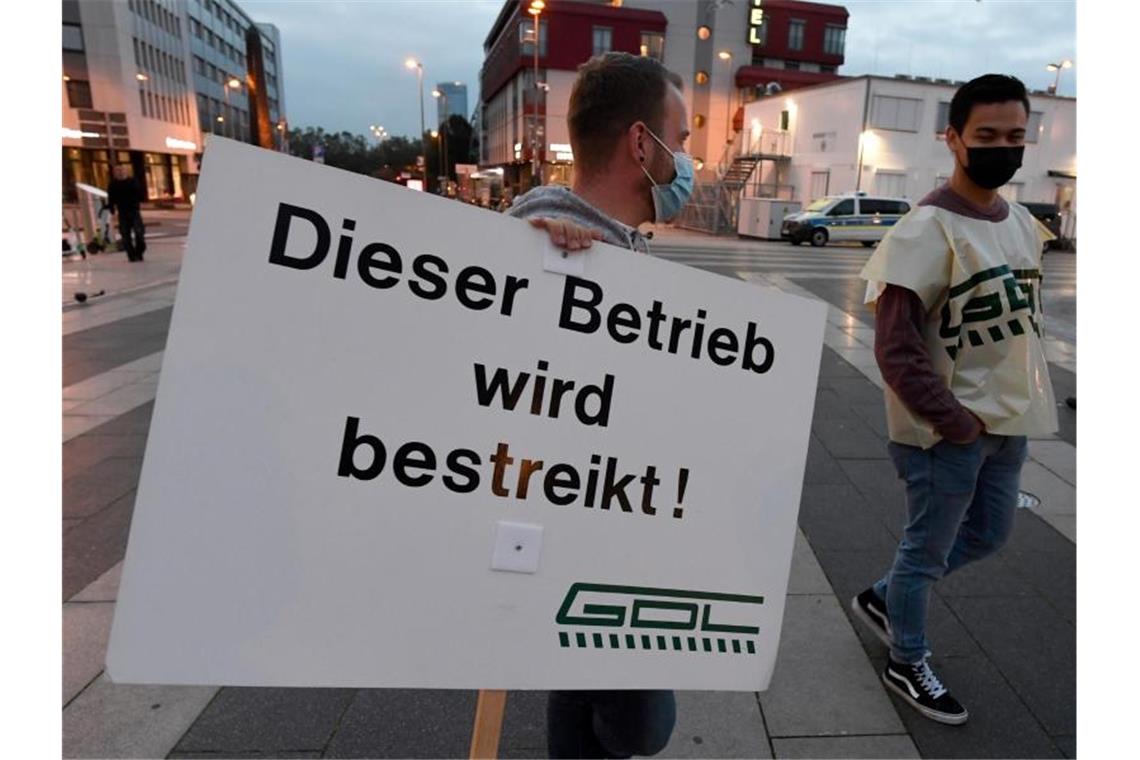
{"points": [[872, 610], [921, 689]]}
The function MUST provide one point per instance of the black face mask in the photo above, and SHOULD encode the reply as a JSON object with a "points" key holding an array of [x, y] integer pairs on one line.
{"points": [[993, 167]]}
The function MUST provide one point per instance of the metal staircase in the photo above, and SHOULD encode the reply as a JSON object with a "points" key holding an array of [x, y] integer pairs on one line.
{"points": [[714, 206]]}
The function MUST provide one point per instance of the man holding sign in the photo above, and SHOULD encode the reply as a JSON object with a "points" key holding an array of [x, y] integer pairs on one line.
{"points": [[628, 125]]}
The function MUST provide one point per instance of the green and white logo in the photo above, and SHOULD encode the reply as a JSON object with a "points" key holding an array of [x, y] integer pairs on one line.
{"points": [[662, 619]]}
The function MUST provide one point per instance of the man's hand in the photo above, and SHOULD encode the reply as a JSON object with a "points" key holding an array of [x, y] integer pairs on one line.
{"points": [[979, 430], [566, 234]]}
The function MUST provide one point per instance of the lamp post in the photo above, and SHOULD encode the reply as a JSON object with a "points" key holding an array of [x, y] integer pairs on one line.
{"points": [[412, 63], [1058, 67], [725, 55], [444, 129], [535, 9]]}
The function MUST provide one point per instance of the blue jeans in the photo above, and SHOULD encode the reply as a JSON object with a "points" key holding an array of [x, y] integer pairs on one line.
{"points": [[960, 501], [609, 723]]}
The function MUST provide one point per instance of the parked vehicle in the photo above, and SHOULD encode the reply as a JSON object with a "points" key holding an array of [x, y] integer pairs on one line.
{"points": [[850, 217], [1049, 215]]}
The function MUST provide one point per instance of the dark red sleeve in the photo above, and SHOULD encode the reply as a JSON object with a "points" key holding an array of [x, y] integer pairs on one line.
{"points": [[906, 367]]}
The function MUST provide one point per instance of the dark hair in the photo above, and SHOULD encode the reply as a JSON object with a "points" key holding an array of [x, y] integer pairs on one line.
{"points": [[612, 92], [989, 88]]}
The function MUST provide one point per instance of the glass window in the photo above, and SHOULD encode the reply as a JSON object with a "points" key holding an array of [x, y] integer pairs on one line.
{"points": [[795, 34], [942, 118], [843, 208], [526, 40], [79, 93], [72, 37], [898, 114], [833, 39], [827, 69], [653, 45], [792, 65], [603, 39], [1033, 128]]}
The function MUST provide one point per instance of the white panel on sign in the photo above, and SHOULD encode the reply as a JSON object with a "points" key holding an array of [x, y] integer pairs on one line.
{"points": [[517, 547], [361, 382]]}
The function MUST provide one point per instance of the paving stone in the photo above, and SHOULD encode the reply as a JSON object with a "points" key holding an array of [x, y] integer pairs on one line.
{"points": [[874, 415], [832, 366], [524, 721], [86, 628], [822, 468], [119, 720], [88, 450], [268, 721], [828, 405], [849, 439], [1034, 648], [106, 347], [806, 576], [990, 576], [406, 723], [1057, 496], [69, 523], [817, 651], [1067, 745], [856, 390], [91, 490], [837, 517], [1066, 525], [846, 747], [241, 755], [1058, 456], [1000, 725], [717, 724], [93, 546]]}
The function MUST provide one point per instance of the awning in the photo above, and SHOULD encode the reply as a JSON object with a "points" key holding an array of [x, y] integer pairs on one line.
{"points": [[1062, 174]]}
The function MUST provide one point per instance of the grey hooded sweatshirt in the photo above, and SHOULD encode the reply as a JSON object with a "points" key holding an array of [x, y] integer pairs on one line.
{"points": [[561, 203]]}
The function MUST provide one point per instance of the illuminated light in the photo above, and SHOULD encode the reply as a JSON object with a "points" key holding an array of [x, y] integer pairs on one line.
{"points": [[436, 94], [756, 127], [75, 134], [221, 118], [644, 50], [698, 120], [234, 83], [560, 148], [704, 33], [141, 77], [698, 163], [411, 63], [176, 144], [536, 7], [702, 77], [66, 78], [724, 55]]}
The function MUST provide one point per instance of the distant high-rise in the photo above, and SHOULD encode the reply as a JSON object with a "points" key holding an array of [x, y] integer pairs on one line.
{"points": [[455, 97]]}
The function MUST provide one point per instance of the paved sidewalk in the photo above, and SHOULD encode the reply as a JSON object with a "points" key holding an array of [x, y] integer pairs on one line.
{"points": [[825, 699]]}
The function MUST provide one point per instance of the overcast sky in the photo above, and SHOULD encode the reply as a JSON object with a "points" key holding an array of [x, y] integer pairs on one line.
{"points": [[344, 61]]}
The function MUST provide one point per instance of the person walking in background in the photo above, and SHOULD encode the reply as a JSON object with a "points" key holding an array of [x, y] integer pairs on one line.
{"points": [[956, 288], [124, 195]]}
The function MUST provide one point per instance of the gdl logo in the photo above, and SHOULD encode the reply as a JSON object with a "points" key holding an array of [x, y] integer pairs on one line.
{"points": [[657, 618]]}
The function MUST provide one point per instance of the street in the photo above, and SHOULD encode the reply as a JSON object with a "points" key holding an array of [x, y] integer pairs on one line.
{"points": [[1003, 631]]}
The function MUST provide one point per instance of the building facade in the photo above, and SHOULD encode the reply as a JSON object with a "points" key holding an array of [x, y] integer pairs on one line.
{"points": [[727, 53], [886, 136], [453, 101], [145, 82]]}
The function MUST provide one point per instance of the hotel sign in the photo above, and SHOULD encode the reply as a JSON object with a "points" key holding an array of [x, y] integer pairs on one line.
{"points": [[757, 33]]}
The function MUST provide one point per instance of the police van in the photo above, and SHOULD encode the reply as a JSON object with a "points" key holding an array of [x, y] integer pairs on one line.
{"points": [[839, 218]]}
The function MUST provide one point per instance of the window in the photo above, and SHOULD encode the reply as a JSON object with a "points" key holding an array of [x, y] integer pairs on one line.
{"points": [[843, 208], [603, 39], [196, 28], [833, 39], [1033, 127], [819, 184], [653, 45], [785, 117], [792, 65], [898, 114], [878, 206], [526, 39], [79, 93], [72, 37], [942, 118], [890, 184], [795, 34], [827, 69]]}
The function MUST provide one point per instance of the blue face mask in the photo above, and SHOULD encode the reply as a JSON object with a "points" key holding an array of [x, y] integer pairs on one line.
{"points": [[668, 200]]}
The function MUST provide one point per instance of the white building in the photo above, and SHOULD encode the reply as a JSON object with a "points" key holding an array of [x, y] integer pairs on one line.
{"points": [[898, 125]]}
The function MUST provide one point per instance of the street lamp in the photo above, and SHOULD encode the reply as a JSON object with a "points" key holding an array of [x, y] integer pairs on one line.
{"points": [[412, 63], [446, 129], [535, 9], [1058, 67], [725, 55]]}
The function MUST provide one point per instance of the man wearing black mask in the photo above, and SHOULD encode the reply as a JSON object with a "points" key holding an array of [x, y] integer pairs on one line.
{"points": [[956, 291]]}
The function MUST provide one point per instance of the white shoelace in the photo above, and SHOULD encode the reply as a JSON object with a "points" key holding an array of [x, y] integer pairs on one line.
{"points": [[928, 680]]}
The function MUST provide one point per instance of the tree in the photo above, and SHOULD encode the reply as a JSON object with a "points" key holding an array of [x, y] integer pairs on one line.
{"points": [[354, 153]]}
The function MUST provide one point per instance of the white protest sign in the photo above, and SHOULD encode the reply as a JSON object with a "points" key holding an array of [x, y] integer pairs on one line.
{"points": [[371, 396]]}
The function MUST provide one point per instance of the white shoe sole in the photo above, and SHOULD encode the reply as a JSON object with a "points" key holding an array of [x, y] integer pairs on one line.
{"points": [[940, 717], [867, 620]]}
